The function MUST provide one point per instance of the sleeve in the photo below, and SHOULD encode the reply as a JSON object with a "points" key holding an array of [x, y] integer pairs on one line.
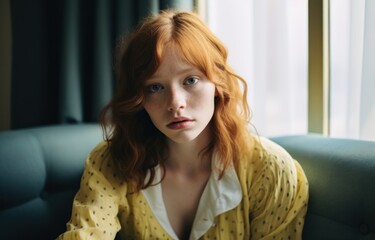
{"points": [[96, 204], [280, 193]]}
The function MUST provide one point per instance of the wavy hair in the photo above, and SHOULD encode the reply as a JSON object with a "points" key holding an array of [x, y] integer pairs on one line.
{"points": [[134, 142]]}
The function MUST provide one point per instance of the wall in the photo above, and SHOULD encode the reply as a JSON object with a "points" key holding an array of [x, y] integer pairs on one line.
{"points": [[5, 64]]}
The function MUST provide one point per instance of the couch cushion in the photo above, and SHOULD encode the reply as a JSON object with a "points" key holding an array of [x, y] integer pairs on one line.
{"points": [[40, 170]]}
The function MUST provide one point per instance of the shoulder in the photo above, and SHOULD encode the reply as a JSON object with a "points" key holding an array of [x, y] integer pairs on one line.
{"points": [[274, 153], [267, 162], [98, 157], [99, 150], [99, 162]]}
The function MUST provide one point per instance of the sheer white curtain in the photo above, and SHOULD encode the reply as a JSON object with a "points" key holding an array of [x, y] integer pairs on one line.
{"points": [[267, 44], [353, 68]]}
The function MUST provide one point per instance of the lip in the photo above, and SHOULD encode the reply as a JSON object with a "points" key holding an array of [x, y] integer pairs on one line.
{"points": [[180, 123]]}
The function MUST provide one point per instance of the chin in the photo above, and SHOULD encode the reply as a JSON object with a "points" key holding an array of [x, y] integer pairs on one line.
{"points": [[183, 138]]}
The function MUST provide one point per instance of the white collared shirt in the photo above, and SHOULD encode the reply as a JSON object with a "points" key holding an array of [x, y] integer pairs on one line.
{"points": [[218, 197]]}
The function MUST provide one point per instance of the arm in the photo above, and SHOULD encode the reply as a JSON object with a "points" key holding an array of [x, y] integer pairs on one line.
{"points": [[280, 195], [96, 204]]}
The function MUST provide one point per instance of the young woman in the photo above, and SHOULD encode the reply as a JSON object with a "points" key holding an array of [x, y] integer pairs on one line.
{"points": [[179, 161]]}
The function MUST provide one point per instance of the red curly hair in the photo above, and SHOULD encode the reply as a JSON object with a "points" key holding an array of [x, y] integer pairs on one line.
{"points": [[134, 142]]}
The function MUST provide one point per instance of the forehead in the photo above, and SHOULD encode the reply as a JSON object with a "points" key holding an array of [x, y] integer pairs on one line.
{"points": [[173, 63]]}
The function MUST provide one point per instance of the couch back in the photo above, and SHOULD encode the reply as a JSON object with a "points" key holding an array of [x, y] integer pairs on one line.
{"points": [[341, 176], [40, 171]]}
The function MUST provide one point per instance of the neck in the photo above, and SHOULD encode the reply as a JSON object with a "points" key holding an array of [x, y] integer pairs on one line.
{"points": [[188, 156]]}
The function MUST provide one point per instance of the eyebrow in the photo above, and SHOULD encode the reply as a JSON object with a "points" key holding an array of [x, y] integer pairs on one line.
{"points": [[183, 71]]}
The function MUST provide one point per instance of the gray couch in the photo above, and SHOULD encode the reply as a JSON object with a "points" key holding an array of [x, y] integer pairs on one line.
{"points": [[40, 170], [341, 176]]}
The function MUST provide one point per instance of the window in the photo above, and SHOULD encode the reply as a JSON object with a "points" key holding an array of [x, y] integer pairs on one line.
{"points": [[267, 45], [352, 45]]}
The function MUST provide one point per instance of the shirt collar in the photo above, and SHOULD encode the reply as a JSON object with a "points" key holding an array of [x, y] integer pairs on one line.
{"points": [[218, 197]]}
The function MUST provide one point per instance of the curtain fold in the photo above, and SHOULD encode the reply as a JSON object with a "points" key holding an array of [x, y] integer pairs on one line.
{"points": [[102, 58], [35, 50], [70, 84], [367, 114], [62, 55], [178, 4], [352, 69], [147, 7]]}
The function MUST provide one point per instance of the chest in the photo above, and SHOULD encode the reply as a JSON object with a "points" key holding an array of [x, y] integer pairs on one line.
{"points": [[143, 224], [181, 196], [220, 212]]}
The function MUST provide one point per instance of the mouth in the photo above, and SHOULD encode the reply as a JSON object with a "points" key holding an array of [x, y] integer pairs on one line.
{"points": [[179, 123]]}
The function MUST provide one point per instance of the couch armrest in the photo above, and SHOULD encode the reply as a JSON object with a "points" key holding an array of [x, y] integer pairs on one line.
{"points": [[341, 174]]}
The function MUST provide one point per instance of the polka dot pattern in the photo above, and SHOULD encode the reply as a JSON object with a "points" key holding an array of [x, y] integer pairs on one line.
{"points": [[96, 204], [274, 204], [277, 191]]}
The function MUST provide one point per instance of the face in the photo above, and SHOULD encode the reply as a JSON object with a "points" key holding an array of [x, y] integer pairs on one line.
{"points": [[179, 99]]}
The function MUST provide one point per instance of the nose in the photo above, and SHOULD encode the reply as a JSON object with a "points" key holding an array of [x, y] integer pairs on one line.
{"points": [[177, 100]]}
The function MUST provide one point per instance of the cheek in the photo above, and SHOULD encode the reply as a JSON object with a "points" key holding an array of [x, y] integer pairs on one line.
{"points": [[149, 109], [205, 90], [153, 110], [208, 96], [150, 103]]}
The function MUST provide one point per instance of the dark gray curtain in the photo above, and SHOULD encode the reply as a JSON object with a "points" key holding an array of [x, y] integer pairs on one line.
{"points": [[62, 55]]}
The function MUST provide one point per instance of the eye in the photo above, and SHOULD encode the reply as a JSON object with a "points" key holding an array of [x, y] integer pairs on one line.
{"points": [[154, 88], [191, 80]]}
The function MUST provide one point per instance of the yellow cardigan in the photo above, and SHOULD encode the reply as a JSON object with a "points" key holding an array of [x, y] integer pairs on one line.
{"points": [[265, 197]]}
